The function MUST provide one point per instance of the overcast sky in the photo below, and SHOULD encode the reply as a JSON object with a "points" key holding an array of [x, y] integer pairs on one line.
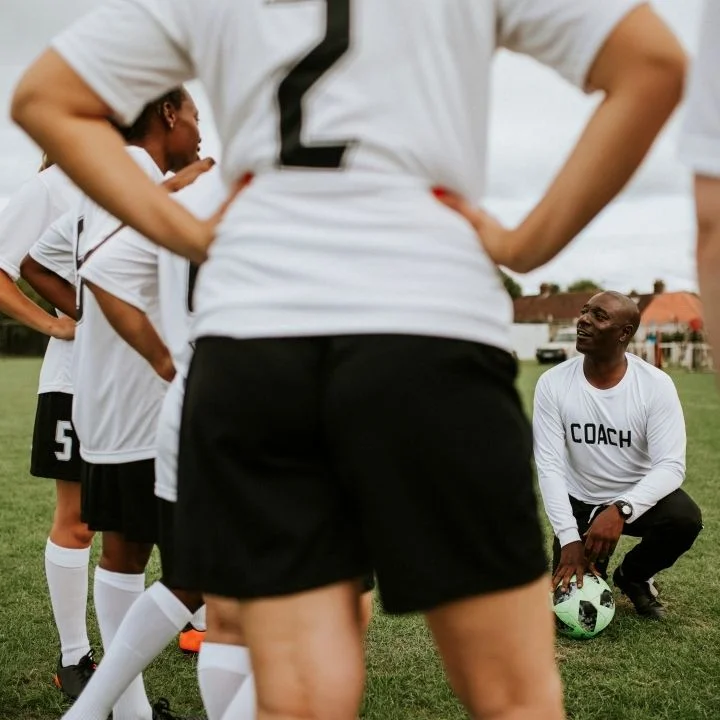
{"points": [[645, 235]]}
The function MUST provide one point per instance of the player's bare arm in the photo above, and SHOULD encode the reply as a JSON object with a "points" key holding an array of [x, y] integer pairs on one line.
{"points": [[17, 305], [49, 285], [707, 201], [134, 326], [641, 71], [188, 175]]}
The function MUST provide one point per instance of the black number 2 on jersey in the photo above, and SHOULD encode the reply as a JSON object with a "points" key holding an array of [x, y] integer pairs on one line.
{"points": [[300, 79]]}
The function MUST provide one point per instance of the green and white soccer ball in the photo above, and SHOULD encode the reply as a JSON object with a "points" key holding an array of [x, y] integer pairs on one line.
{"points": [[583, 613]]}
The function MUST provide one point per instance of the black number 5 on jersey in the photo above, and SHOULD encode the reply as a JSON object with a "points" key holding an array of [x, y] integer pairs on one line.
{"points": [[300, 80]]}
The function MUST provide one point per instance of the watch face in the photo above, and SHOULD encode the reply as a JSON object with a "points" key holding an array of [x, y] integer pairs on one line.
{"points": [[626, 510]]}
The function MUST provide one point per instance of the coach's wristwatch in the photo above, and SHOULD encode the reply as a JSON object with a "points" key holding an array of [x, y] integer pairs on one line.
{"points": [[625, 508]]}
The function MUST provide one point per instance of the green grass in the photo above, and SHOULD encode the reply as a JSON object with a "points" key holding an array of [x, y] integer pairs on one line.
{"points": [[635, 671]]}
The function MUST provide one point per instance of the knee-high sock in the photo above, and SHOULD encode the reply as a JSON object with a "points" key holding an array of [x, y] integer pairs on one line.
{"points": [[66, 570], [222, 671], [199, 620], [115, 594], [147, 629], [243, 706]]}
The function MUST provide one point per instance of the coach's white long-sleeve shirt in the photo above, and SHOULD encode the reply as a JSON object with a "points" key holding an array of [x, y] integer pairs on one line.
{"points": [[626, 442]]}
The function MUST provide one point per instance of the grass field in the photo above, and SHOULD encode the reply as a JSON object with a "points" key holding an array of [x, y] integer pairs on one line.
{"points": [[636, 670]]}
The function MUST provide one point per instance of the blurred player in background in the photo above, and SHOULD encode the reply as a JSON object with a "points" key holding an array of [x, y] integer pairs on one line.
{"points": [[119, 397], [55, 447], [700, 150]]}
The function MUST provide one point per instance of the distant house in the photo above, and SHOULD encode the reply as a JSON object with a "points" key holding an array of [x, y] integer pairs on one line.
{"points": [[672, 312], [660, 311]]}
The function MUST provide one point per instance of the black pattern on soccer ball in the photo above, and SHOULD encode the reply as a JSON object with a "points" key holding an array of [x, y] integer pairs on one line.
{"points": [[587, 615]]}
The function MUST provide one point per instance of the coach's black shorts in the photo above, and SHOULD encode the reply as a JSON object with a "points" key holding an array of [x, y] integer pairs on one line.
{"points": [[307, 461], [121, 498], [55, 448]]}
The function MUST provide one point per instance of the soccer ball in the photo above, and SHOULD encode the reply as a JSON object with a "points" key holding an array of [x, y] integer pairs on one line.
{"points": [[582, 613]]}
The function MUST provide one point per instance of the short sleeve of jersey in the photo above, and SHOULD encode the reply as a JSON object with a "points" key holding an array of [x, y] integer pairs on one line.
{"points": [[700, 136], [54, 249], [129, 52], [126, 267], [22, 222], [566, 35]]}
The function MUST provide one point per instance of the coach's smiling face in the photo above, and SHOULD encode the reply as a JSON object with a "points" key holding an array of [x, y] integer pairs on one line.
{"points": [[603, 327]]}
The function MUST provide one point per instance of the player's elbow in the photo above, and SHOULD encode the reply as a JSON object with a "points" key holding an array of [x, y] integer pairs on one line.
{"points": [[656, 79], [21, 106], [643, 60], [29, 105], [27, 100], [44, 92]]}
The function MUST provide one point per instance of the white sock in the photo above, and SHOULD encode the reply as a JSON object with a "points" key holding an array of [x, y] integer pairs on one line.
{"points": [[222, 671], [66, 570], [199, 620], [149, 626], [114, 595], [243, 706]]}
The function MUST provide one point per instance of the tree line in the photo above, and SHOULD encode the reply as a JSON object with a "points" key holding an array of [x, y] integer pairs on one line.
{"points": [[583, 285]]}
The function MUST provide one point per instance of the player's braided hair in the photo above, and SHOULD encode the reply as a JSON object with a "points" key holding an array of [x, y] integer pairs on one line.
{"points": [[139, 129]]}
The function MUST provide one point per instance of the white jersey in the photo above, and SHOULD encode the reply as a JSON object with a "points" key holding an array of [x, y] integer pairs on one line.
{"points": [[139, 273], [700, 136], [626, 442], [177, 277], [117, 394], [347, 113], [38, 203]]}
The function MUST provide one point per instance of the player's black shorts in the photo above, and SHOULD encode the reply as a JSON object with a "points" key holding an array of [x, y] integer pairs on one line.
{"points": [[308, 461], [121, 498], [55, 447], [167, 541], [367, 583]]}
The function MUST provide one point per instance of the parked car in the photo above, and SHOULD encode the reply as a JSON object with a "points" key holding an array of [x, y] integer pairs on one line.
{"points": [[559, 349]]}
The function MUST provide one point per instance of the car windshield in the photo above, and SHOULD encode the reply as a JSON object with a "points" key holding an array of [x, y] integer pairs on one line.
{"points": [[566, 337]]}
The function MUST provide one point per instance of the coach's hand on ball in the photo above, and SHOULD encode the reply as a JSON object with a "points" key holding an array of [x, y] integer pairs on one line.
{"points": [[572, 562], [603, 534]]}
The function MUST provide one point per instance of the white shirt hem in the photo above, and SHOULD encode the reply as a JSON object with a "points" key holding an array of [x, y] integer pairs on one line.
{"points": [[46, 388], [117, 457], [236, 324]]}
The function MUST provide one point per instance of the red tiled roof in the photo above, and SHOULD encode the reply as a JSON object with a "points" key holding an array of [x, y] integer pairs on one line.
{"points": [[560, 307], [673, 307]]}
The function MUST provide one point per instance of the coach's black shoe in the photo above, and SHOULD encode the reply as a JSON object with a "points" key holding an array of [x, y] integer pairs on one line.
{"points": [[641, 595], [72, 679], [161, 711]]}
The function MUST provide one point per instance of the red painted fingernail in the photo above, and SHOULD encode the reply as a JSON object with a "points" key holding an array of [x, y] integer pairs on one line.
{"points": [[439, 192]]}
